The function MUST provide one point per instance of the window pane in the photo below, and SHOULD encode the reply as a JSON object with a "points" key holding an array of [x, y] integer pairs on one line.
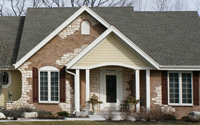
{"points": [[54, 86], [186, 88], [43, 86], [111, 88], [174, 87], [5, 77]]}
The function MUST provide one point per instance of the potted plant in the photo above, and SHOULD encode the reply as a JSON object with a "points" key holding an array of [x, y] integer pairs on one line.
{"points": [[131, 102], [94, 101]]}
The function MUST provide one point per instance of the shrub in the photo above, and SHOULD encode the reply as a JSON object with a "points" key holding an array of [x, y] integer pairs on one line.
{"points": [[16, 113], [108, 113], [169, 117], [50, 117], [63, 113], [143, 114], [185, 118], [43, 113], [161, 113], [126, 114]]}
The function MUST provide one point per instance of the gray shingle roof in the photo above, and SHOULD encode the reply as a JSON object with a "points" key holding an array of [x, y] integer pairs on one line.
{"points": [[170, 38], [10, 35]]}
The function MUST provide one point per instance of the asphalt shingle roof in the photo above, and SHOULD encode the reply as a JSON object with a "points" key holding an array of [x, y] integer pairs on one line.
{"points": [[10, 35], [170, 38]]}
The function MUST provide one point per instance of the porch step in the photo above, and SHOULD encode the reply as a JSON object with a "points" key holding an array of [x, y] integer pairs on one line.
{"points": [[117, 117]]}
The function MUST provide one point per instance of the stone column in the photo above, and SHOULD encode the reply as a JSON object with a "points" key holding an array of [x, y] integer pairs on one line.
{"points": [[137, 88], [77, 90], [87, 88]]}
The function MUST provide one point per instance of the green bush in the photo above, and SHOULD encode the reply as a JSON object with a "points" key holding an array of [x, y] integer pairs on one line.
{"points": [[185, 118], [43, 113], [51, 117], [63, 113], [169, 117]]}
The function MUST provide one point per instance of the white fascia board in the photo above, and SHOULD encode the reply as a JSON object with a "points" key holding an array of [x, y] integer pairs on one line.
{"points": [[135, 47], [179, 68], [59, 29], [102, 37]]}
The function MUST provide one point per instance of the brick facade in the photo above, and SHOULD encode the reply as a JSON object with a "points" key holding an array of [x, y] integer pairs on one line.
{"points": [[49, 55]]}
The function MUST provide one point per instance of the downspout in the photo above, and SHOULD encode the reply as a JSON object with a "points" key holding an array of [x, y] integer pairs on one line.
{"points": [[70, 72], [74, 112]]}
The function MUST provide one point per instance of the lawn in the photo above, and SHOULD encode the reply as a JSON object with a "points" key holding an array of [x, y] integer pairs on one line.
{"points": [[85, 123]]}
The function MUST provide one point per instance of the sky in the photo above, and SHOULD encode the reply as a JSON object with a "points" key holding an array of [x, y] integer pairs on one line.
{"points": [[191, 4], [147, 5]]}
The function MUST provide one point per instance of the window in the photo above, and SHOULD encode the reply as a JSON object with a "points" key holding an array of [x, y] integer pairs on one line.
{"points": [[180, 88], [5, 78], [85, 27], [48, 85]]}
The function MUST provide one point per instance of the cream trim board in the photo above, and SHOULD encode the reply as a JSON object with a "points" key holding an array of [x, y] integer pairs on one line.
{"points": [[101, 38], [60, 28], [114, 64], [180, 89], [118, 73]]}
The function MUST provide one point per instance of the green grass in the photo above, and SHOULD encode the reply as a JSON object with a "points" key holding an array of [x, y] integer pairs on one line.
{"points": [[84, 123]]}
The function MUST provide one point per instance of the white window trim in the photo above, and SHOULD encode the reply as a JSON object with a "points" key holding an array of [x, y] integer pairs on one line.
{"points": [[85, 24], [9, 80], [49, 69], [180, 90]]}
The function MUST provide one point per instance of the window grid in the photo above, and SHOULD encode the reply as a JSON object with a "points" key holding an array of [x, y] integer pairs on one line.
{"points": [[180, 88], [186, 88], [174, 87], [49, 86], [43, 86], [54, 86]]}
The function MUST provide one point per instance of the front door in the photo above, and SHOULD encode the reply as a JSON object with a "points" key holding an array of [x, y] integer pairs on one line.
{"points": [[111, 88]]}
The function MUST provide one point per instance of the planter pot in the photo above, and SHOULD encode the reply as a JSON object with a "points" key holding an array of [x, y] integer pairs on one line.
{"points": [[94, 107], [131, 107]]}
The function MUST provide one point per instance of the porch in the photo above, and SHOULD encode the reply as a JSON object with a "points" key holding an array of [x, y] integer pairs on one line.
{"points": [[128, 82]]}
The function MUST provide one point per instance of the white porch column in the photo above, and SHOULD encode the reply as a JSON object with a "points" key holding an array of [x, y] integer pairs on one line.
{"points": [[77, 90], [87, 79], [137, 88], [148, 89]]}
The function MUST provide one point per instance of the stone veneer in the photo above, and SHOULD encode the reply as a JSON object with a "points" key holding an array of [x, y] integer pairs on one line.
{"points": [[69, 56], [23, 101], [158, 98], [75, 25], [156, 92], [68, 106]]}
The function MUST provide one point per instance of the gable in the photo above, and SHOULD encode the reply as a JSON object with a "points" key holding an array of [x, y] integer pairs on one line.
{"points": [[111, 51], [28, 49]]}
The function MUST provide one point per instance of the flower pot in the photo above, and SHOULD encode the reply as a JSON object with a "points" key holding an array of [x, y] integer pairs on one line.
{"points": [[94, 107], [131, 107]]}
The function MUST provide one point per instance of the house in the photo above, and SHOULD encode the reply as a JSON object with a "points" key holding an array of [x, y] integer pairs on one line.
{"points": [[60, 57]]}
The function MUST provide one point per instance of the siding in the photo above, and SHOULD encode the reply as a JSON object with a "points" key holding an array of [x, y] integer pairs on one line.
{"points": [[111, 50], [15, 87]]}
